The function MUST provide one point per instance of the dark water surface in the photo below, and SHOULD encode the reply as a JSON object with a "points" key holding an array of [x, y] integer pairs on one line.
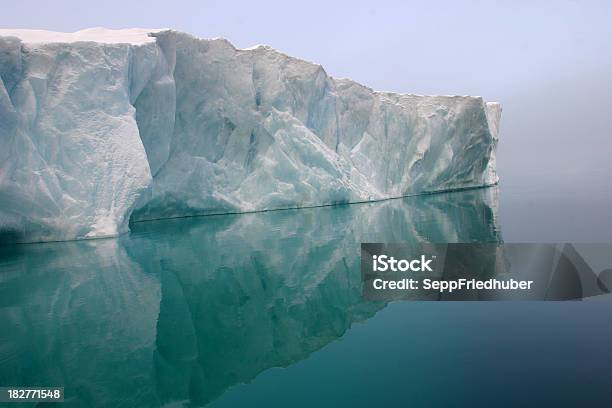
{"points": [[266, 310]]}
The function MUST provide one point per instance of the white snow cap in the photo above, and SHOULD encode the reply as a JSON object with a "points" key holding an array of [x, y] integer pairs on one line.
{"points": [[135, 36]]}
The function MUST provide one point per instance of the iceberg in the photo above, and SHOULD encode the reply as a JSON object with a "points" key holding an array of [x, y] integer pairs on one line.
{"points": [[102, 127]]}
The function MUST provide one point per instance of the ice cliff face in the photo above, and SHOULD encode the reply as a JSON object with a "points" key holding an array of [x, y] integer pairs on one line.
{"points": [[101, 127]]}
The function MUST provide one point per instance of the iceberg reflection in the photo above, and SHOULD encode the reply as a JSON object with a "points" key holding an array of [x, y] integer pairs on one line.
{"points": [[181, 310]]}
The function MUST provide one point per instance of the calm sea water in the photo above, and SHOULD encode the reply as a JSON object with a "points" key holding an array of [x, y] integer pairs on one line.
{"points": [[265, 309]]}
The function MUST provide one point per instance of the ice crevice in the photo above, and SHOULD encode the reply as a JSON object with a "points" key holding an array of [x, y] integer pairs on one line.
{"points": [[100, 128]]}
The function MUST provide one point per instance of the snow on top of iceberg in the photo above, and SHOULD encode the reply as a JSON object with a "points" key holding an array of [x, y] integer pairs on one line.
{"points": [[135, 36], [346, 83]]}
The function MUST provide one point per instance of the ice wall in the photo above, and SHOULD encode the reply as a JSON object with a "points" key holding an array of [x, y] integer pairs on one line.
{"points": [[102, 126], [72, 161]]}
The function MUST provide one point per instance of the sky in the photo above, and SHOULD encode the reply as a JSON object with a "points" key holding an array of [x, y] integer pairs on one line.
{"points": [[548, 63]]}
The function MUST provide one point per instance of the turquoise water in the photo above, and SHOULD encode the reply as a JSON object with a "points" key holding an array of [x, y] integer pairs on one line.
{"points": [[265, 310]]}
